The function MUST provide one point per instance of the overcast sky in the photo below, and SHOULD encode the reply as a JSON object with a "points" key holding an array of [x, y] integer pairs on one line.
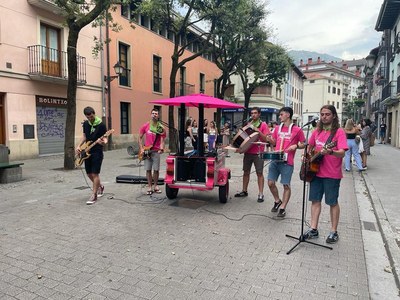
{"points": [[343, 28]]}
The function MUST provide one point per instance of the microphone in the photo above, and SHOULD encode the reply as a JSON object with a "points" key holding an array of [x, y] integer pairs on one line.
{"points": [[313, 122]]}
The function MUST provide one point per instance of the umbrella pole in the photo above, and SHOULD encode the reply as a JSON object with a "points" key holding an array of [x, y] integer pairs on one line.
{"points": [[182, 130]]}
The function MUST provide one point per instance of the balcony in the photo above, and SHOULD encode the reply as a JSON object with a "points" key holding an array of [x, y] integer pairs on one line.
{"points": [[389, 93], [51, 65], [183, 89], [398, 85], [47, 5]]}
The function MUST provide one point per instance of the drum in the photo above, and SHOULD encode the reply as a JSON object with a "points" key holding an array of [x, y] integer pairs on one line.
{"points": [[244, 138], [277, 156]]}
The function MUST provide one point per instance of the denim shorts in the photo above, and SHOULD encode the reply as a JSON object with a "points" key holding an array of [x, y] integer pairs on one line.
{"points": [[328, 186], [153, 162], [277, 168], [93, 163]]}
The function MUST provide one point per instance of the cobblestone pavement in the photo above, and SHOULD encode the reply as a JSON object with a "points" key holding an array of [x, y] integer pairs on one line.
{"points": [[132, 246]]}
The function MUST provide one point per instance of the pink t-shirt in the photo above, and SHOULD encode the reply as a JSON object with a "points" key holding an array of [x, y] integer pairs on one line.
{"points": [[296, 135], [330, 166], [254, 149], [150, 136]]}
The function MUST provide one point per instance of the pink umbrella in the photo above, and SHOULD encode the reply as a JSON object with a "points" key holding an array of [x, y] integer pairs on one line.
{"points": [[195, 100]]}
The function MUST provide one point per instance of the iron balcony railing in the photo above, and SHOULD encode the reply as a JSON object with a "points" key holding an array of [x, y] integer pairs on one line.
{"points": [[389, 91], [49, 62], [182, 89], [398, 85]]}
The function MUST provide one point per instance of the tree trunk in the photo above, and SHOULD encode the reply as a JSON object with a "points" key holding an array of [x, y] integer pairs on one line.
{"points": [[69, 144]]}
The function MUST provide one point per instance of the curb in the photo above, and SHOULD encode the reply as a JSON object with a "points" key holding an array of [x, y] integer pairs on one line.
{"points": [[391, 247]]}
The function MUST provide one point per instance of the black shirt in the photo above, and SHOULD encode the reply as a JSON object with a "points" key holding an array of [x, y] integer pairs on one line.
{"points": [[98, 132]]}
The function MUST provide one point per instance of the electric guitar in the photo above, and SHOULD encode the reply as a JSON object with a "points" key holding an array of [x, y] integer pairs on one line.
{"points": [[145, 153], [85, 148], [310, 166]]}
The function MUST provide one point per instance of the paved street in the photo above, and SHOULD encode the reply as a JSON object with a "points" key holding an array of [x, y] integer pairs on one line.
{"points": [[132, 246]]}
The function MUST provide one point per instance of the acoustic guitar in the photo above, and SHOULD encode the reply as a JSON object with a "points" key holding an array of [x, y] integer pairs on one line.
{"points": [[85, 149], [310, 166]]}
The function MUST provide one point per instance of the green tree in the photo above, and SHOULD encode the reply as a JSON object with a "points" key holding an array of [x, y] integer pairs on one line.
{"points": [[263, 64], [178, 17], [237, 23]]}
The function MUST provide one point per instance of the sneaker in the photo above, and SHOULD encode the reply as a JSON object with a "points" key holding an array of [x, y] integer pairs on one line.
{"points": [[281, 213], [311, 234], [92, 199], [242, 194], [260, 198], [276, 206], [332, 238], [100, 191], [363, 169]]}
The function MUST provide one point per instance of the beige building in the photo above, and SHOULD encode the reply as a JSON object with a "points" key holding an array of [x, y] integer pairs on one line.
{"points": [[330, 83], [320, 90], [34, 74]]}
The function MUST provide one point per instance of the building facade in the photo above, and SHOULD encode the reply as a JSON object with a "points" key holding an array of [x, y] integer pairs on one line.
{"points": [[385, 87], [34, 75], [330, 83], [145, 53]]}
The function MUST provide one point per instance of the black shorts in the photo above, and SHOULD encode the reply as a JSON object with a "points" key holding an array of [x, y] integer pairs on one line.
{"points": [[93, 163]]}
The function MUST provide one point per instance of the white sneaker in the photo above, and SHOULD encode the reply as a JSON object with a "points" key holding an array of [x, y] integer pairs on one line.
{"points": [[100, 191], [92, 199]]}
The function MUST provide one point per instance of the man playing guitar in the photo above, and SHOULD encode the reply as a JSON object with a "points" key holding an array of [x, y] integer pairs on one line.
{"points": [[327, 179], [154, 135], [93, 130], [286, 138]]}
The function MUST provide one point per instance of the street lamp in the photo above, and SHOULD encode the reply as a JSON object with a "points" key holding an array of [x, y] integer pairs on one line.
{"points": [[118, 69]]}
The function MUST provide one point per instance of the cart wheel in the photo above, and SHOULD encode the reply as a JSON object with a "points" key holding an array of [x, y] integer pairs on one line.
{"points": [[224, 192], [171, 192]]}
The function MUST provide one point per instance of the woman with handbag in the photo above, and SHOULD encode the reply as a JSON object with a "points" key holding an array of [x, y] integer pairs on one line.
{"points": [[353, 140]]}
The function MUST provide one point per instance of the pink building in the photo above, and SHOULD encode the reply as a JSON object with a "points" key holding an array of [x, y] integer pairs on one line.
{"points": [[34, 74]]}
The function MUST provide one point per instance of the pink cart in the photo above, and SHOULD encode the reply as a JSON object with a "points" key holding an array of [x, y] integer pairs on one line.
{"points": [[196, 170]]}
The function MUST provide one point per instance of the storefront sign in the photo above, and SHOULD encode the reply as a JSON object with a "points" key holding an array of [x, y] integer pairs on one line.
{"points": [[51, 101]]}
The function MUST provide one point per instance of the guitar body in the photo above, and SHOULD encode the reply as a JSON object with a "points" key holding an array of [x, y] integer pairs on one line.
{"points": [[145, 153], [310, 166], [81, 157], [85, 149]]}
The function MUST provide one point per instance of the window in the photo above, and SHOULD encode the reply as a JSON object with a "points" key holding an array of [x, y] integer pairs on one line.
{"points": [[202, 83], [50, 50], [125, 76], [263, 90], [157, 80], [334, 90], [338, 91], [125, 109], [312, 81], [337, 105], [129, 10], [329, 88]]}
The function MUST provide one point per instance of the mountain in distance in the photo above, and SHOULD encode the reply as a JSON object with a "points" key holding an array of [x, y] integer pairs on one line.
{"points": [[296, 55]]}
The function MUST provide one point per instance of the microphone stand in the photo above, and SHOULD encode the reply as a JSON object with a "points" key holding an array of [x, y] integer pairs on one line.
{"points": [[301, 238]]}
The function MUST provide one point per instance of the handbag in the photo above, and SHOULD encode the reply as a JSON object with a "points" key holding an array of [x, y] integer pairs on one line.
{"points": [[372, 139]]}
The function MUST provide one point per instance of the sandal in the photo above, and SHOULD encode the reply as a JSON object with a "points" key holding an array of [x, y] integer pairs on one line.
{"points": [[157, 191], [241, 194], [149, 192]]}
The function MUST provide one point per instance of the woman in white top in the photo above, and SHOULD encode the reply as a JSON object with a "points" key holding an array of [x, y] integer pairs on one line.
{"points": [[212, 136]]}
